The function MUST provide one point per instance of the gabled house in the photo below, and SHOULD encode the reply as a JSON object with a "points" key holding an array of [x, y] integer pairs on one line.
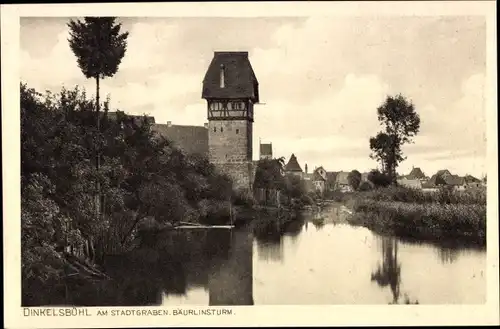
{"points": [[319, 179], [444, 178], [342, 183], [410, 183], [472, 182]]}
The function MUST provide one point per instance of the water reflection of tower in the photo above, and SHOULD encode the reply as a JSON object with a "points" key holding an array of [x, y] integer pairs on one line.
{"points": [[232, 282]]}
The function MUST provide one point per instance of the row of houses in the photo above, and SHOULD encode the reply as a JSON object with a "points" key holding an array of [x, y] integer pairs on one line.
{"points": [[417, 179], [320, 179]]}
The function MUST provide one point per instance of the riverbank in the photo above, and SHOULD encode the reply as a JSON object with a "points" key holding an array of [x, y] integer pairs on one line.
{"points": [[449, 215]]}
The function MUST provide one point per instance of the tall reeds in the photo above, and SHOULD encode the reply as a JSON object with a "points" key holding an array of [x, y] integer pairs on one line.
{"points": [[444, 214]]}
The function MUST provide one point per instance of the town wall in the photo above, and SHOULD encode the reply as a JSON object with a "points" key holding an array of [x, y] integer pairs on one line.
{"points": [[242, 173]]}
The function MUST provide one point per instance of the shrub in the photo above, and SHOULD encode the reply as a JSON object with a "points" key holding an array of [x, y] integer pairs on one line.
{"points": [[379, 179], [306, 200], [365, 186]]}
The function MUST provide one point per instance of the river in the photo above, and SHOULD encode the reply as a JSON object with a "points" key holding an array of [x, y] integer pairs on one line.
{"points": [[313, 259]]}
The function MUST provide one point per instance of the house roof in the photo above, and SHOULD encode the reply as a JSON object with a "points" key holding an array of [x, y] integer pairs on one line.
{"points": [[342, 178], [471, 179], [191, 139], [320, 171], [293, 164], [443, 172], [239, 78], [454, 180], [266, 149], [435, 180], [416, 173], [317, 176]]}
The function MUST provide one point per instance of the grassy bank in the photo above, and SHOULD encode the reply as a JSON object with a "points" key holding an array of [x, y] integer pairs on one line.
{"points": [[450, 215]]}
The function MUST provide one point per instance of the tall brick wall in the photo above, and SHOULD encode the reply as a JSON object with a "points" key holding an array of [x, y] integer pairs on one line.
{"points": [[242, 173]]}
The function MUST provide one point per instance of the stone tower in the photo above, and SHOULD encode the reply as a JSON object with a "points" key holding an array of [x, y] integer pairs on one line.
{"points": [[231, 90]]}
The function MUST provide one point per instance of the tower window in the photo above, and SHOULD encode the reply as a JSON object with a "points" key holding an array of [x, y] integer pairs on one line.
{"points": [[222, 76], [221, 129], [215, 129], [237, 131]]}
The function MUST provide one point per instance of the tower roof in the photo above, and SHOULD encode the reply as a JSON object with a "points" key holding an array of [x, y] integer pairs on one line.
{"points": [[266, 149], [239, 77], [293, 164]]}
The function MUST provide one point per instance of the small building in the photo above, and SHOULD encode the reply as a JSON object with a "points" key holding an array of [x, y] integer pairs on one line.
{"points": [[266, 151], [456, 182], [319, 179], [472, 182], [293, 167], [410, 183]]}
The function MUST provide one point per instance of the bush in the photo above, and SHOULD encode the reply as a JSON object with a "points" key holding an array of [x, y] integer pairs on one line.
{"points": [[379, 179], [306, 200], [365, 186], [243, 198]]}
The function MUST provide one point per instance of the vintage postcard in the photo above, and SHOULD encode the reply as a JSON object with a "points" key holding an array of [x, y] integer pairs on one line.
{"points": [[249, 164]]}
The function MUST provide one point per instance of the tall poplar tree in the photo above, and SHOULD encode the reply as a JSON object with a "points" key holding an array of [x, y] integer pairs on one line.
{"points": [[99, 46]]}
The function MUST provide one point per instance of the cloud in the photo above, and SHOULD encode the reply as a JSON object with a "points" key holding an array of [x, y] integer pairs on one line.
{"points": [[321, 79], [148, 45], [58, 67]]}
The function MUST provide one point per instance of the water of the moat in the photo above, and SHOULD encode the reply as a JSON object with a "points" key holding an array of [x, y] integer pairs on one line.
{"points": [[313, 259]]}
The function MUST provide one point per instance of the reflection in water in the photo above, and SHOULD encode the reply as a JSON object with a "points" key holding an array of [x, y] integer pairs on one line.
{"points": [[231, 279], [389, 272], [292, 264], [447, 255], [270, 232]]}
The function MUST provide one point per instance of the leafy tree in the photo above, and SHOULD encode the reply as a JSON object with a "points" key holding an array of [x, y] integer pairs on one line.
{"points": [[401, 123], [379, 179], [99, 47], [268, 175], [354, 179], [142, 175], [381, 146], [294, 186]]}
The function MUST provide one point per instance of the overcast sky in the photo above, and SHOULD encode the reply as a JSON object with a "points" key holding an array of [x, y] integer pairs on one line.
{"points": [[321, 80]]}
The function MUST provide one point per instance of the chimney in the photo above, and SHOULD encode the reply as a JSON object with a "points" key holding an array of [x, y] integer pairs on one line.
{"points": [[205, 125], [169, 123], [222, 76], [306, 168]]}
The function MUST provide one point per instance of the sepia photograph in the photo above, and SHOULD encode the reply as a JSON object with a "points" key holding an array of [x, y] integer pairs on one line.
{"points": [[176, 161]]}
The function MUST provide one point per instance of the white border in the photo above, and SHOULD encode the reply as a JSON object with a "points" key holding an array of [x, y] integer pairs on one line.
{"points": [[255, 315]]}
